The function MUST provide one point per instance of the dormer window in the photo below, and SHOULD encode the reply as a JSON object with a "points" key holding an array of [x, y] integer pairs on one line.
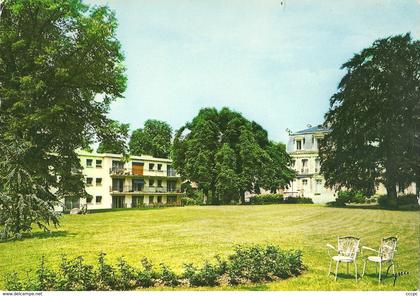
{"points": [[298, 144]]}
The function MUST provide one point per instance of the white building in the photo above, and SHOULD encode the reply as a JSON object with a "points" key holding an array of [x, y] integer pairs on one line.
{"points": [[303, 148], [112, 183]]}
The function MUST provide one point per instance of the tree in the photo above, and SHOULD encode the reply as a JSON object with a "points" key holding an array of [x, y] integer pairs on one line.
{"points": [[227, 155], [154, 139], [115, 145], [375, 119], [227, 181], [60, 68]]}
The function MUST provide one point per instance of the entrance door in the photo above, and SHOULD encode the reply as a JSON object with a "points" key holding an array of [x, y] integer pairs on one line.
{"points": [[118, 202], [71, 203]]}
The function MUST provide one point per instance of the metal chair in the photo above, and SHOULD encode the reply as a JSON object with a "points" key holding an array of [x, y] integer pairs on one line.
{"points": [[347, 250], [384, 255]]}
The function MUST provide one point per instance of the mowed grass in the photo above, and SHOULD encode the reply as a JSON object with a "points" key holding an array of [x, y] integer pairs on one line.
{"points": [[193, 234]]}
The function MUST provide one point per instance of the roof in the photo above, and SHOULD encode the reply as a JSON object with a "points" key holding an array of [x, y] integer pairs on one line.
{"points": [[132, 157], [312, 130]]}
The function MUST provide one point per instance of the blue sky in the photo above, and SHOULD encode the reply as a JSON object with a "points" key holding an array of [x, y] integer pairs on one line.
{"points": [[275, 61]]}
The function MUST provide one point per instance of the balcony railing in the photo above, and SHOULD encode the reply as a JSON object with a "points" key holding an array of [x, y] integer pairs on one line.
{"points": [[145, 172], [304, 170], [171, 173], [131, 189]]}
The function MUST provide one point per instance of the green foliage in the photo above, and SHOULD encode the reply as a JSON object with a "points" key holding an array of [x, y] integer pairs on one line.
{"points": [[60, 68], [266, 199], [258, 264], [227, 155], [154, 139], [407, 201], [118, 144], [188, 201], [254, 264], [374, 119], [348, 196]]}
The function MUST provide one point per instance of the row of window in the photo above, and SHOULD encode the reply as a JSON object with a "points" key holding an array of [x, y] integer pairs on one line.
{"points": [[305, 182], [89, 163], [301, 143], [89, 181], [98, 199]]}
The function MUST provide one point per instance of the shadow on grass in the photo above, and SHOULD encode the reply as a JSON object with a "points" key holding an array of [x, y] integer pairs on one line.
{"points": [[126, 209], [376, 207], [41, 235]]}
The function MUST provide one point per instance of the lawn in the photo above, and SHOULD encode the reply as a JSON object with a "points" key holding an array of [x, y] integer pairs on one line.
{"points": [[192, 234]]}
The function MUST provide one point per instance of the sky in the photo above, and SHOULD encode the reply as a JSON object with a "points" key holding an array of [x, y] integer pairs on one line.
{"points": [[275, 61]]}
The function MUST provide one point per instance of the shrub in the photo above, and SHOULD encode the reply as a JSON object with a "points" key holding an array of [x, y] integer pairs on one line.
{"points": [[298, 200], [248, 264], [259, 264], [348, 196], [265, 199], [187, 201], [407, 201]]}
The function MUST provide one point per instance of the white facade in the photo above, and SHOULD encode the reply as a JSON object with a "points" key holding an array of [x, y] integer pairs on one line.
{"points": [[112, 183], [303, 148]]}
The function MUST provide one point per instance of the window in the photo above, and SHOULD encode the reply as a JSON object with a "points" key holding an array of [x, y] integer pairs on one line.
{"points": [[99, 163], [159, 167], [159, 199], [151, 182], [318, 182], [317, 165], [98, 199], [151, 199], [89, 199], [293, 163], [159, 183], [151, 166], [89, 163], [299, 145], [89, 181], [98, 181], [304, 182]]}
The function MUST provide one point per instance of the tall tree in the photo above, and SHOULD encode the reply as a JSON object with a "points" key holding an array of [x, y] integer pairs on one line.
{"points": [[60, 68], [154, 139], [375, 119], [115, 145], [227, 155]]}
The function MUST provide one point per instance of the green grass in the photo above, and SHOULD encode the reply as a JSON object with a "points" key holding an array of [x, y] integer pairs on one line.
{"points": [[192, 234]]}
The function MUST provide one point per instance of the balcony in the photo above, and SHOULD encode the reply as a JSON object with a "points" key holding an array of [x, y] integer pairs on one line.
{"points": [[142, 190], [171, 173]]}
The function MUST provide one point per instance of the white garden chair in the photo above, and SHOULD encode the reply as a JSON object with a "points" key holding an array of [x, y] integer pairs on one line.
{"points": [[385, 255], [346, 251]]}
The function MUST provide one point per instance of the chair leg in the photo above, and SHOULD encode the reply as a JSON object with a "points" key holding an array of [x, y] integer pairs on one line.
{"points": [[347, 268], [393, 268], [387, 270], [355, 270], [380, 271], [336, 269]]}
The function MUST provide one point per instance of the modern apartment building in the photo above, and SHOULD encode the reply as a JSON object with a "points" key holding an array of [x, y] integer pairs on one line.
{"points": [[303, 148], [113, 183]]}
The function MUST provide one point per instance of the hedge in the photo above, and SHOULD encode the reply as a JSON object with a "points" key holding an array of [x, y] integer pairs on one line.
{"points": [[247, 264], [265, 199]]}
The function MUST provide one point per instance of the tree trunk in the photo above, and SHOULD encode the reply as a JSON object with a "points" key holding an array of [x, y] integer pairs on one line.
{"points": [[242, 195]]}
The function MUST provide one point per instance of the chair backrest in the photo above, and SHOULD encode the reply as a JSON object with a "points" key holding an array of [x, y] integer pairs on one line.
{"points": [[348, 246], [388, 247]]}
